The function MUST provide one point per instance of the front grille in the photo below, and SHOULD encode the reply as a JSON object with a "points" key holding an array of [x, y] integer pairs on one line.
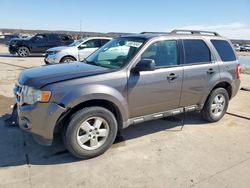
{"points": [[18, 92]]}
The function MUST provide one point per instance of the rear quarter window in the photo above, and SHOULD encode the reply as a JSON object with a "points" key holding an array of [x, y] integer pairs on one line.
{"points": [[224, 49], [65, 38]]}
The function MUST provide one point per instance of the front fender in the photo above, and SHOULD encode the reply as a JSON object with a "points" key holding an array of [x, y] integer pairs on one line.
{"points": [[97, 92]]}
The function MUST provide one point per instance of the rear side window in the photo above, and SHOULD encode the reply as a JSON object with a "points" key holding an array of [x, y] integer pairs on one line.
{"points": [[196, 51], [94, 43], [224, 49], [65, 38], [104, 41], [53, 38]]}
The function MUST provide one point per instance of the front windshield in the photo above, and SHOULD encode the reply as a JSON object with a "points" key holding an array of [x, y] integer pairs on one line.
{"points": [[77, 42], [116, 53]]}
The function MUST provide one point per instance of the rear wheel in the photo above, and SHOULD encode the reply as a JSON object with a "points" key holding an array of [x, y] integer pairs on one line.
{"points": [[90, 132], [67, 59], [216, 105], [23, 51]]}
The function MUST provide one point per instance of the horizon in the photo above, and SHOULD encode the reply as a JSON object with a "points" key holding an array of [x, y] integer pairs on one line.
{"points": [[229, 19]]}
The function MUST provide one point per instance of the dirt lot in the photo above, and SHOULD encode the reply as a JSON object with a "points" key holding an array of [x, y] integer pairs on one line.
{"points": [[181, 151]]}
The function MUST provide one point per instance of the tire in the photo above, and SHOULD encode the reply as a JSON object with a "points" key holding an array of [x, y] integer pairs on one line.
{"points": [[216, 105], [84, 139], [23, 51], [67, 60]]}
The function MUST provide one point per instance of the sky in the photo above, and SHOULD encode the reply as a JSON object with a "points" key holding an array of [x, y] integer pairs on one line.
{"points": [[230, 18]]}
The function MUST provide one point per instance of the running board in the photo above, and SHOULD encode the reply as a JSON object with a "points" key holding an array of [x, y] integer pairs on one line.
{"points": [[160, 115]]}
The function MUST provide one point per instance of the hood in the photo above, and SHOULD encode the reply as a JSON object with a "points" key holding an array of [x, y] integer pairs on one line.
{"points": [[44, 75], [60, 48]]}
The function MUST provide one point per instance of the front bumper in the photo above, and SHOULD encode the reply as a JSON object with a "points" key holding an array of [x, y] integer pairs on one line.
{"points": [[51, 59], [40, 119], [13, 49]]}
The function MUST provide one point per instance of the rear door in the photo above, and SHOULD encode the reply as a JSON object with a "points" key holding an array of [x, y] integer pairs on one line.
{"points": [[159, 90], [88, 47], [53, 41], [200, 71]]}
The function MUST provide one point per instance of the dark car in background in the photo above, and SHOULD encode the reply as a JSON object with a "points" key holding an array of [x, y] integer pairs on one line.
{"points": [[38, 43], [5, 39]]}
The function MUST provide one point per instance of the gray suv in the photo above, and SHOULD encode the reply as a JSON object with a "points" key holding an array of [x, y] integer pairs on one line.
{"points": [[131, 79]]}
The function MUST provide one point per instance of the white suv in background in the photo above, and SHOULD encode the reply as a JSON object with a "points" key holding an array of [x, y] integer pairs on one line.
{"points": [[76, 51]]}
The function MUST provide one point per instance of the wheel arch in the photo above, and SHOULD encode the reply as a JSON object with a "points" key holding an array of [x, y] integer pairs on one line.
{"points": [[63, 120], [226, 85], [71, 56], [95, 95], [24, 45], [220, 84]]}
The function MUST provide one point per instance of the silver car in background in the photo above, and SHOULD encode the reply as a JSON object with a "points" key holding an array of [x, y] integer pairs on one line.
{"points": [[76, 51]]}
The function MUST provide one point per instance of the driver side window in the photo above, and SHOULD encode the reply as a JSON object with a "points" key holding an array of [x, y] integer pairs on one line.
{"points": [[164, 53]]}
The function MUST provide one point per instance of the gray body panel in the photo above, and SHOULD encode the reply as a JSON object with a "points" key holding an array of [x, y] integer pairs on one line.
{"points": [[151, 92]]}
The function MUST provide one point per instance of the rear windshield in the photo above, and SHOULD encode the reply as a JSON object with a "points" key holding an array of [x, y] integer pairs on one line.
{"points": [[224, 49]]}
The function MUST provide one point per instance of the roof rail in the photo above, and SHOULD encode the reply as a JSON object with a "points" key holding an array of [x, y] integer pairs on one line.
{"points": [[146, 32], [194, 32]]}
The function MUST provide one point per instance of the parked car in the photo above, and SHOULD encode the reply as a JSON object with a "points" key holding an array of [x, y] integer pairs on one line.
{"points": [[237, 47], [149, 76], [5, 39], [76, 51], [38, 43], [245, 48]]}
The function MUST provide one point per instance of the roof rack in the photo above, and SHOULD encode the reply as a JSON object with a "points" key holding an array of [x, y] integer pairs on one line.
{"points": [[146, 32], [193, 32]]}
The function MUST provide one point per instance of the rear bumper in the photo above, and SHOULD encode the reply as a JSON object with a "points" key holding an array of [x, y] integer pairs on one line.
{"points": [[235, 87], [40, 119]]}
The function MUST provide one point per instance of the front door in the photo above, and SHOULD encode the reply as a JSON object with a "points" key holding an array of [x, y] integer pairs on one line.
{"points": [[88, 47], [159, 90]]}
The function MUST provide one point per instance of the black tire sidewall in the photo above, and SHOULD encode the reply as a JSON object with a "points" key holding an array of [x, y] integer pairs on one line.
{"points": [[72, 129], [63, 59], [207, 114]]}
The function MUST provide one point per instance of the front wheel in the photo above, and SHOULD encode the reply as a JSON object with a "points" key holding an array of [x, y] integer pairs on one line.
{"points": [[216, 105], [91, 132], [67, 60], [23, 51]]}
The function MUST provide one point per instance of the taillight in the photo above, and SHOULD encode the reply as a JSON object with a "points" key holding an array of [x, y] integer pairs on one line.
{"points": [[238, 71]]}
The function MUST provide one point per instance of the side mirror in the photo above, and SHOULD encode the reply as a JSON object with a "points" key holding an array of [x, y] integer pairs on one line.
{"points": [[145, 65], [82, 46]]}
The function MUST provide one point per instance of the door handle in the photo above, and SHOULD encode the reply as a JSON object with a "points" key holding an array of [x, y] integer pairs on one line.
{"points": [[172, 76], [210, 71]]}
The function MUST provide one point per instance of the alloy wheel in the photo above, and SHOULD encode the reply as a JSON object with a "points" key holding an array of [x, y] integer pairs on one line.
{"points": [[92, 133]]}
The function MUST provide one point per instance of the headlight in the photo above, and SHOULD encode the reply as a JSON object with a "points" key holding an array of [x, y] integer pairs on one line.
{"points": [[52, 52], [32, 95]]}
